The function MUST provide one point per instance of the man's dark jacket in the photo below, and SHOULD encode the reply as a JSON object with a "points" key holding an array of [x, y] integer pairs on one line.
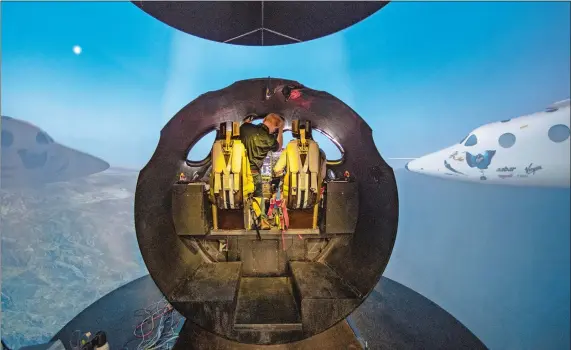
{"points": [[258, 142]]}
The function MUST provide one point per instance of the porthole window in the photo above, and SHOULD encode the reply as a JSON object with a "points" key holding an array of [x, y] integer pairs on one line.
{"points": [[507, 140], [7, 138], [333, 150], [287, 137], [558, 133], [471, 141], [201, 149]]}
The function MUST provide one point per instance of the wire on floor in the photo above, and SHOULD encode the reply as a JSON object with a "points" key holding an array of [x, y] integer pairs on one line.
{"points": [[159, 328]]}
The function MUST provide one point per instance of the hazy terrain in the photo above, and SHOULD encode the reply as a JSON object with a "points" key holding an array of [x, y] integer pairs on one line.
{"points": [[496, 258], [63, 247]]}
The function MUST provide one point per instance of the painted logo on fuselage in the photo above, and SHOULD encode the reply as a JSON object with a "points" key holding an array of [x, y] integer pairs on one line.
{"points": [[449, 167], [530, 170], [506, 169], [480, 160], [456, 157]]}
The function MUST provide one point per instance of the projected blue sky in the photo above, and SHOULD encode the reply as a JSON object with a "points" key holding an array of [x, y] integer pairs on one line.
{"points": [[421, 74]]}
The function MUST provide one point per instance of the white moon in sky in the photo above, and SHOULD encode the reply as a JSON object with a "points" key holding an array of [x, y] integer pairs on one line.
{"points": [[77, 49]]}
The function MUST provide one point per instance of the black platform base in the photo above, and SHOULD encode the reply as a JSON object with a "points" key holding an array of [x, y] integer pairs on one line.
{"points": [[392, 317], [244, 304]]}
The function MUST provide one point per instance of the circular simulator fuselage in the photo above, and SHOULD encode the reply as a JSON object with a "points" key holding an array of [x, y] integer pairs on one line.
{"points": [[333, 234]]}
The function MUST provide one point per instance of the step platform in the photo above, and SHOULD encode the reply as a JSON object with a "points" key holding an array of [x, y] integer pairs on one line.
{"points": [[209, 296], [324, 297], [266, 311]]}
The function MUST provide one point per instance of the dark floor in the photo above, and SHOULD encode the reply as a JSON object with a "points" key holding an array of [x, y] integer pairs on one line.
{"points": [[392, 317], [396, 317], [271, 297]]}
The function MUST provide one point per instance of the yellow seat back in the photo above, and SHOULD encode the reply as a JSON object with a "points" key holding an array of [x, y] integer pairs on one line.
{"points": [[304, 172], [231, 180]]}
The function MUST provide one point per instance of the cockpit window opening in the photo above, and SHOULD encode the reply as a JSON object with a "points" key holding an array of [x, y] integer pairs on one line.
{"points": [[464, 139], [43, 139], [287, 136], [505, 121], [199, 153], [332, 148], [551, 109], [558, 133], [507, 140], [471, 141]]}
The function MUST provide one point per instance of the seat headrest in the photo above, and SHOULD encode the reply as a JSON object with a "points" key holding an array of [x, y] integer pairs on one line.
{"points": [[221, 132], [235, 130], [297, 125], [295, 128], [228, 127]]}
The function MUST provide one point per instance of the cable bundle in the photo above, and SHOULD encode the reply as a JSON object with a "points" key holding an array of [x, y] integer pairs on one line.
{"points": [[159, 329]]}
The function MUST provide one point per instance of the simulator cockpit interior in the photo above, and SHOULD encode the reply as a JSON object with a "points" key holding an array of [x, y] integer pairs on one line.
{"points": [[324, 244], [294, 197]]}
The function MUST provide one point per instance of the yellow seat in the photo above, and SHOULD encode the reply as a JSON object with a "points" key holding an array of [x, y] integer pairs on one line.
{"points": [[231, 180], [303, 166]]}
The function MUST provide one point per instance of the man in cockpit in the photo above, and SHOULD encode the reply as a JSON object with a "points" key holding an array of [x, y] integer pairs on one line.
{"points": [[259, 140]]}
